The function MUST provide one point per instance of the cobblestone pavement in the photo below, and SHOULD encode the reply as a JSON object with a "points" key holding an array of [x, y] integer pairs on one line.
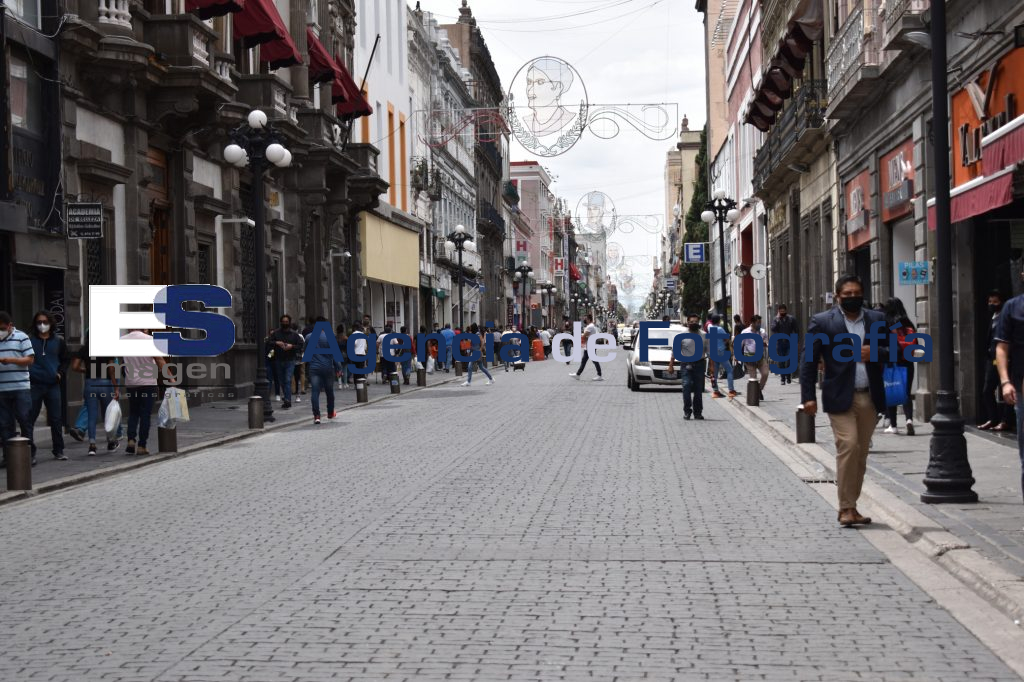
{"points": [[537, 529]]}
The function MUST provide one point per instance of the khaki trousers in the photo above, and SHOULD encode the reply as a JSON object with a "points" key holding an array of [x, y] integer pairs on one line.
{"points": [[852, 430], [761, 366]]}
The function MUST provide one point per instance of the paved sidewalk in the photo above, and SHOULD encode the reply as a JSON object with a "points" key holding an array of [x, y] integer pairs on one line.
{"points": [[995, 525], [209, 423]]}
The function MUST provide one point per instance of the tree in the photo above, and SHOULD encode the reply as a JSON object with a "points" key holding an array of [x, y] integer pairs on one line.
{"points": [[695, 278]]}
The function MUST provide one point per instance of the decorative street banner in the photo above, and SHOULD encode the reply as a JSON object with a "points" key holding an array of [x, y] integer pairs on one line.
{"points": [[914, 273], [595, 213]]}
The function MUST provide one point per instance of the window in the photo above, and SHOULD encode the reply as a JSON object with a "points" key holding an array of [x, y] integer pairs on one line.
{"points": [[26, 10], [26, 96]]}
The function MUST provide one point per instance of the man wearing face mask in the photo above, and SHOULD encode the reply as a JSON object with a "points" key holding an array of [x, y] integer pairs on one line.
{"points": [[692, 372], [16, 357], [996, 415], [47, 374], [852, 393]]}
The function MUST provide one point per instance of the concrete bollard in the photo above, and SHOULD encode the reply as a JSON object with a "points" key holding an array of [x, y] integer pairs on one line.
{"points": [[255, 412], [421, 377], [361, 391], [167, 439], [804, 426], [458, 369], [18, 455], [753, 393], [396, 383]]}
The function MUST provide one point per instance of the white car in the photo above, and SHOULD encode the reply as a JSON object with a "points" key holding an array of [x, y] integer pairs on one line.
{"points": [[654, 372], [626, 336]]}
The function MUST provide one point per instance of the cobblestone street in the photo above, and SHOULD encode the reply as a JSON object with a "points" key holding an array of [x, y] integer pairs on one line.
{"points": [[536, 529]]}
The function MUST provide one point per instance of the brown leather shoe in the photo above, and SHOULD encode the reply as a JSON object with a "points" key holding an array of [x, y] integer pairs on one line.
{"points": [[851, 517]]}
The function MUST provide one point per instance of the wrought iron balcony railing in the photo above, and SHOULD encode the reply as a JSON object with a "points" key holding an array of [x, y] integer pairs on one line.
{"points": [[806, 111]]}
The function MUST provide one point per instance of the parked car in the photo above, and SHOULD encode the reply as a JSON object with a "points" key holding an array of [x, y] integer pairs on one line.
{"points": [[654, 371], [626, 335]]}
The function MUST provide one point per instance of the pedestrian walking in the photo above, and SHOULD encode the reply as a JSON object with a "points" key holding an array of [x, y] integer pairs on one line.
{"points": [[566, 343], [141, 386], [545, 338], [1010, 364], [407, 363], [720, 337], [298, 376], [749, 347], [588, 331], [285, 341], [47, 374], [342, 338], [445, 354], [16, 358], [360, 347], [996, 414], [786, 324], [101, 386], [852, 393], [481, 364], [692, 373], [896, 316], [324, 370]]}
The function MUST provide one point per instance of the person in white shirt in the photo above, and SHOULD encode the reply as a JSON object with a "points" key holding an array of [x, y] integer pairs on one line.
{"points": [[588, 331], [509, 340], [545, 338], [749, 346]]}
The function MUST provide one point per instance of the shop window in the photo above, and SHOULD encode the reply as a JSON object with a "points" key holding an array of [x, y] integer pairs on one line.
{"points": [[26, 95]]}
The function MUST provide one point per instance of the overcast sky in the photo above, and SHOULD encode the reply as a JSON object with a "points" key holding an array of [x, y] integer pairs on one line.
{"points": [[626, 51]]}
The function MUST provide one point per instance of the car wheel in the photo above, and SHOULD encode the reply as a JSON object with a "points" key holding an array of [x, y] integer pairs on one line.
{"points": [[629, 380], [634, 386]]}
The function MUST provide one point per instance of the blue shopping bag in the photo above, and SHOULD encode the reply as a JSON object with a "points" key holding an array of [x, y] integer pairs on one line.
{"points": [[895, 379]]}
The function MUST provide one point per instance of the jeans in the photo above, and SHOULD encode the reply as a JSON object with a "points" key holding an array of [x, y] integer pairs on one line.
{"points": [[273, 383], [1020, 443], [583, 363], [50, 396], [321, 379], [16, 406], [908, 407], [98, 394], [407, 368], [483, 368], [693, 388], [992, 411], [140, 408], [719, 366], [284, 371], [783, 350]]}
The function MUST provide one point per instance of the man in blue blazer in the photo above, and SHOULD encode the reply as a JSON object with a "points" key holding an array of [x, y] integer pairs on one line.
{"points": [[852, 392]]}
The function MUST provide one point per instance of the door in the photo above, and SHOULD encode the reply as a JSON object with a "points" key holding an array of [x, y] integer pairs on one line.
{"points": [[160, 247]]}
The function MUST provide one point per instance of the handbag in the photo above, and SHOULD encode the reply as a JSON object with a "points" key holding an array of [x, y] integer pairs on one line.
{"points": [[431, 365], [173, 409], [895, 379], [112, 420]]}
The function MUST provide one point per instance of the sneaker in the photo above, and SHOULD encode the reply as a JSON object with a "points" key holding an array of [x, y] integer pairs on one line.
{"points": [[490, 381], [77, 434], [699, 416], [113, 444], [890, 429], [130, 448], [286, 405], [332, 414], [686, 416], [464, 383], [142, 450], [733, 394], [298, 399], [316, 420], [92, 449], [61, 456], [910, 428], [277, 398], [716, 395], [598, 378]]}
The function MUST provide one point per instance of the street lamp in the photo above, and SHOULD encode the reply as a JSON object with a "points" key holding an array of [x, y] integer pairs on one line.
{"points": [[523, 273], [550, 289], [721, 209], [460, 240], [257, 144], [948, 477]]}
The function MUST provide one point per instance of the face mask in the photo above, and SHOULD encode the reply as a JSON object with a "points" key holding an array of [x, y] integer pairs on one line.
{"points": [[993, 308], [4, 333], [43, 327], [852, 304], [693, 326]]}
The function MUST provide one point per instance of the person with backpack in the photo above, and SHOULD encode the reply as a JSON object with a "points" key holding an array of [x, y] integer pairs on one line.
{"points": [[896, 315], [47, 374], [466, 346]]}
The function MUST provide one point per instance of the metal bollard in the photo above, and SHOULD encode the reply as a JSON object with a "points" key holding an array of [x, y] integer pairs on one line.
{"points": [[167, 439], [753, 393], [361, 393], [804, 426], [18, 455], [458, 369], [396, 383], [421, 377], [255, 412]]}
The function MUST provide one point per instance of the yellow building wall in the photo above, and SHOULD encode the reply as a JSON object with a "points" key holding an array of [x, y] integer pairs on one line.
{"points": [[389, 253]]}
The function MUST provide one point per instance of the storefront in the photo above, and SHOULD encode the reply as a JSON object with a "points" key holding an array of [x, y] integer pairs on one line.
{"points": [[896, 179], [859, 228], [389, 260]]}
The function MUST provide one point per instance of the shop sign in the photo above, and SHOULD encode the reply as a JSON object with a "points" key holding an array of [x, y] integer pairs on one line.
{"points": [[897, 173], [85, 221], [983, 106], [914, 273], [858, 220]]}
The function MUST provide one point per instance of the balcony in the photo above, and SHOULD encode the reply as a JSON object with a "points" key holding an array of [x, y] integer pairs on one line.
{"points": [[488, 215], [269, 93], [491, 153], [853, 64], [775, 17], [902, 17], [794, 140]]}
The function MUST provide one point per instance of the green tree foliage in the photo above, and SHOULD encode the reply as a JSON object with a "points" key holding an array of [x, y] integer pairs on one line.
{"points": [[695, 278]]}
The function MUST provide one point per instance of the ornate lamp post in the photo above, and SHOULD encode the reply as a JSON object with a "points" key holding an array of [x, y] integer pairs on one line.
{"points": [[460, 240], [550, 289], [523, 273], [721, 209], [258, 145]]}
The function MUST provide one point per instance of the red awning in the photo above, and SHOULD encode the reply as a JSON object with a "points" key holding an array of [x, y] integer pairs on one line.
{"points": [[675, 270], [345, 93], [322, 68], [259, 22], [976, 197], [1004, 147], [207, 9], [280, 53]]}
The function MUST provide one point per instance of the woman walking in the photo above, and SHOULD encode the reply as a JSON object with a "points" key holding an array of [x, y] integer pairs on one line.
{"points": [[342, 339], [474, 329], [896, 315]]}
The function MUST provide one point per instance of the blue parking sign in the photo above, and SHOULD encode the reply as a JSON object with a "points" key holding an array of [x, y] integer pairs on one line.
{"points": [[693, 252]]}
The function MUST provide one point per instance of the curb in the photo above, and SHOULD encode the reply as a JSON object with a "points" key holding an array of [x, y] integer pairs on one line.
{"points": [[89, 476], [984, 577]]}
